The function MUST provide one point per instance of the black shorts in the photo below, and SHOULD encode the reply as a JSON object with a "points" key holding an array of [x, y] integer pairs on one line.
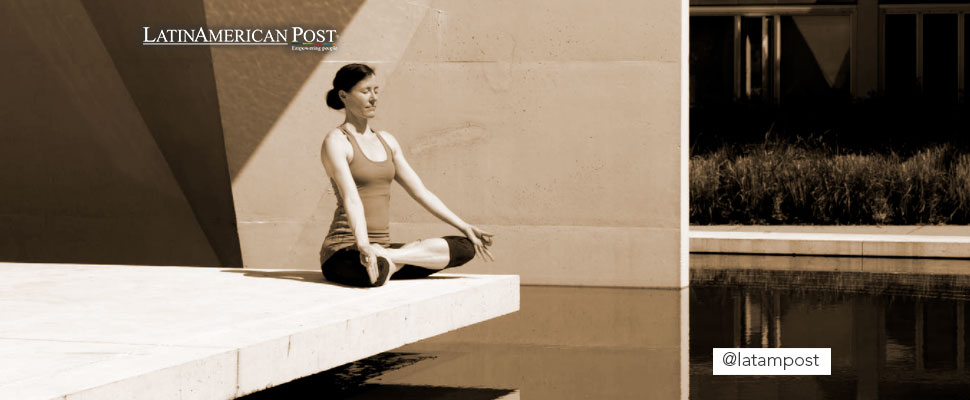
{"points": [[344, 265]]}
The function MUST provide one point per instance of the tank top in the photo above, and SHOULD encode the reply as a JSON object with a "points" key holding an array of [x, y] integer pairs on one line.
{"points": [[373, 181]]}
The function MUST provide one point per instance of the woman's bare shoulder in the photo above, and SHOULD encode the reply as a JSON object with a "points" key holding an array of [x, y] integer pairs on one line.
{"points": [[335, 146], [390, 139], [336, 138]]}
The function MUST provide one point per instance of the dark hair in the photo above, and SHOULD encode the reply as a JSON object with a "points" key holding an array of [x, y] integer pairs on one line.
{"points": [[346, 78]]}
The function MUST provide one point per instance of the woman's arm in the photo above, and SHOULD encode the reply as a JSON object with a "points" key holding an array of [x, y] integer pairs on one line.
{"points": [[336, 150], [409, 180]]}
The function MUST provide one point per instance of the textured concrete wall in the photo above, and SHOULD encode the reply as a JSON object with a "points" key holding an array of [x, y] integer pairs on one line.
{"points": [[554, 125], [112, 153]]}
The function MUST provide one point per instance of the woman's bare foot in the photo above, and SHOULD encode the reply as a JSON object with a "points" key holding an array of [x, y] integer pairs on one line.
{"points": [[382, 252]]}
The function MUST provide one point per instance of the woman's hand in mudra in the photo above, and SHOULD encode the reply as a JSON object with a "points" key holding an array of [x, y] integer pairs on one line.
{"points": [[481, 239], [368, 257]]}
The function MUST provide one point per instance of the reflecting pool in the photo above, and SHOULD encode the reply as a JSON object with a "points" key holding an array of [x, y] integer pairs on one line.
{"points": [[564, 343], [893, 335]]}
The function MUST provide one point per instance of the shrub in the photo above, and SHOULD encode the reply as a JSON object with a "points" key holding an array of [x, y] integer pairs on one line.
{"points": [[795, 184]]}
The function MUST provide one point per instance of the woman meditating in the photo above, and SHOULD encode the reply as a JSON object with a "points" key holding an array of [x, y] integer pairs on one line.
{"points": [[361, 163]]}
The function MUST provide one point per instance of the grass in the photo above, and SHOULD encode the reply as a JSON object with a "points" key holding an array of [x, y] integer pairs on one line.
{"points": [[793, 184]]}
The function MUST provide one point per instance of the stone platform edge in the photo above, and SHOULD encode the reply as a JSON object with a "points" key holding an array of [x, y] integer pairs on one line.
{"points": [[817, 242], [227, 373]]}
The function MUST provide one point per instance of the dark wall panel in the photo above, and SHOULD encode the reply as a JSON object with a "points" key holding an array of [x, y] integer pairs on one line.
{"points": [[174, 89], [83, 180]]}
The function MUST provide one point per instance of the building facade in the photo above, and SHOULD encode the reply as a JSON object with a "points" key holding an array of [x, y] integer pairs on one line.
{"points": [[778, 51]]}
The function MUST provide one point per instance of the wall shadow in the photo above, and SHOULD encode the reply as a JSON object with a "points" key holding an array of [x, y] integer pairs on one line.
{"points": [[175, 91], [257, 83], [82, 175], [116, 152]]}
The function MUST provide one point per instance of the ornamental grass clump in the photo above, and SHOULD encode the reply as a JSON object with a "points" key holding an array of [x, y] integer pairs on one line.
{"points": [[790, 184]]}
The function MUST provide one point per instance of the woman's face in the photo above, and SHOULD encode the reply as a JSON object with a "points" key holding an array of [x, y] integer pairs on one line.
{"points": [[361, 100]]}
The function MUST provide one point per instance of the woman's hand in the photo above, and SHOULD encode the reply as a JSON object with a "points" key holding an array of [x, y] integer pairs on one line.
{"points": [[368, 257], [481, 239]]}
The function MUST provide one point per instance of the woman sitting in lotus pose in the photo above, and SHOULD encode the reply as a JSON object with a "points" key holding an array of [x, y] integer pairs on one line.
{"points": [[361, 163]]}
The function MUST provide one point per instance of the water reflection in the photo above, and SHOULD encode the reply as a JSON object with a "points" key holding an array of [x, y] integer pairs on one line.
{"points": [[564, 343], [893, 336], [351, 381], [567, 343]]}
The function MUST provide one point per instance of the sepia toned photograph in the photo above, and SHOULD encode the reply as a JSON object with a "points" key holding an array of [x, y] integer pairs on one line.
{"points": [[447, 199], [829, 170], [344, 199]]}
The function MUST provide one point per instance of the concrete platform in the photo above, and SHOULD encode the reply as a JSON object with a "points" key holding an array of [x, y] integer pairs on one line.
{"points": [[134, 332], [846, 241]]}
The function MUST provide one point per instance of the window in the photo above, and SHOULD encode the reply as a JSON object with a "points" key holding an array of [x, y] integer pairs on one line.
{"points": [[756, 66], [940, 56], [966, 65], [711, 60], [900, 64], [768, 54], [768, 51], [923, 50], [815, 56]]}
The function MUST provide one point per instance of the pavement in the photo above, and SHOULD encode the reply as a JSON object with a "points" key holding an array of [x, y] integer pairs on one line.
{"points": [[72, 331], [934, 241]]}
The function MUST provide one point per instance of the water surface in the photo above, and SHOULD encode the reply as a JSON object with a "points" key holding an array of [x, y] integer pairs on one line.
{"points": [[893, 336]]}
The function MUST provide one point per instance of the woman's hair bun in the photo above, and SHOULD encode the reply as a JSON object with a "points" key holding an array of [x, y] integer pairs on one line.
{"points": [[333, 100], [346, 78]]}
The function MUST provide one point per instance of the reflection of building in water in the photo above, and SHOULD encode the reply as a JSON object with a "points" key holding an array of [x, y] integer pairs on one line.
{"points": [[776, 51], [882, 346], [921, 334]]}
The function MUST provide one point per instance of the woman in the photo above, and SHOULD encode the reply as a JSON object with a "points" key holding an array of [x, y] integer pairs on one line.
{"points": [[361, 163]]}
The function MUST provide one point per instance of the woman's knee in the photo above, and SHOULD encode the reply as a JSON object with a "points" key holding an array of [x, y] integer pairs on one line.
{"points": [[460, 250]]}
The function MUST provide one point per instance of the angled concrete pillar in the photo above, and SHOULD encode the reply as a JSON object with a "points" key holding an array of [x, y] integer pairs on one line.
{"points": [[94, 168], [174, 90]]}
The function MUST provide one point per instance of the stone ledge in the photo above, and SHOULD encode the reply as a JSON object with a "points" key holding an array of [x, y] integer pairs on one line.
{"points": [[819, 243], [111, 331]]}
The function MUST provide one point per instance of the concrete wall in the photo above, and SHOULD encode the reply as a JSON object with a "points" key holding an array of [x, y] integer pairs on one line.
{"points": [[112, 152], [554, 125]]}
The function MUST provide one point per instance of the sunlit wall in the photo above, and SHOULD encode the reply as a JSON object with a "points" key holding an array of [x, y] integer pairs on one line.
{"points": [[557, 126], [554, 125]]}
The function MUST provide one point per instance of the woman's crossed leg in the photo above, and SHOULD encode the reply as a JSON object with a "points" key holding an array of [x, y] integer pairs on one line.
{"points": [[413, 260]]}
